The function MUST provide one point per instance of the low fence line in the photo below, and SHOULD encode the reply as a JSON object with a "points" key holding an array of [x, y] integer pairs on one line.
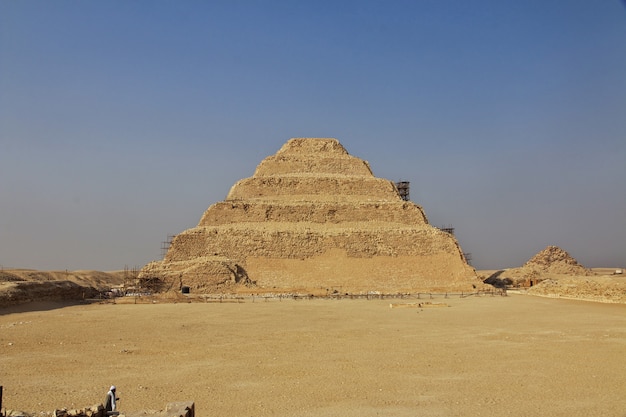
{"points": [[238, 298], [337, 296]]}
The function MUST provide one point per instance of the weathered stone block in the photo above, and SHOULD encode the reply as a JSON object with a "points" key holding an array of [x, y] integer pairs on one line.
{"points": [[180, 409]]}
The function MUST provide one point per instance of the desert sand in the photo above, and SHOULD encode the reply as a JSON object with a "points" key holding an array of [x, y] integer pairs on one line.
{"points": [[518, 355], [313, 219]]}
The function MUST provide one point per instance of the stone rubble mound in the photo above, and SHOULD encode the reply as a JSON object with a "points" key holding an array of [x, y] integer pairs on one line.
{"points": [[559, 275], [313, 218], [605, 289], [173, 409], [555, 273], [21, 286], [551, 263], [555, 260]]}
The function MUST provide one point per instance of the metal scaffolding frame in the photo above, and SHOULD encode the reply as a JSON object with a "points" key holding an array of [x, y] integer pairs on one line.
{"points": [[403, 189]]}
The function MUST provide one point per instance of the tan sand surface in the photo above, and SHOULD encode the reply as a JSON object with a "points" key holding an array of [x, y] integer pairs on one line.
{"points": [[480, 356]]}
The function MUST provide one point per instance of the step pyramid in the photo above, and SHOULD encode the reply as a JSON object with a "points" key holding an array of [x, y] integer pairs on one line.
{"points": [[313, 218]]}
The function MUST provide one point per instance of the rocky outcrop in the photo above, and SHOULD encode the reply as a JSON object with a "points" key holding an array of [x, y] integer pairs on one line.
{"points": [[21, 292], [20, 286], [93, 411], [313, 218]]}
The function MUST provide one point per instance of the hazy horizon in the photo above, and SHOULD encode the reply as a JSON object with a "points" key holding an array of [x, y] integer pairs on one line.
{"points": [[122, 122]]}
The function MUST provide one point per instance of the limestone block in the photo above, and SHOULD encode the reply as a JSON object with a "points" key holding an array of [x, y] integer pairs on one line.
{"points": [[180, 409]]}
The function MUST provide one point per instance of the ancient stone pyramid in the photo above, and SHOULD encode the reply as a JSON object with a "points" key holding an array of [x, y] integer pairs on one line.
{"points": [[556, 261], [313, 218], [551, 262]]}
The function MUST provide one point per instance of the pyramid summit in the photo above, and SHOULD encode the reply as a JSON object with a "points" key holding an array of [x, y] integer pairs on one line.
{"points": [[313, 218]]}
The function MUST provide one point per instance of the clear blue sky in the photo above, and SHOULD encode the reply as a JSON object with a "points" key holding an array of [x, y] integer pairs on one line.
{"points": [[122, 121]]}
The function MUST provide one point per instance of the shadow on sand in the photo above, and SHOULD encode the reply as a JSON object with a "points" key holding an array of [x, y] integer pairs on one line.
{"points": [[495, 280], [42, 306]]}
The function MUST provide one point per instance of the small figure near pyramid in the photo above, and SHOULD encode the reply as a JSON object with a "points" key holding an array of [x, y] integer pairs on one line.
{"points": [[314, 219]]}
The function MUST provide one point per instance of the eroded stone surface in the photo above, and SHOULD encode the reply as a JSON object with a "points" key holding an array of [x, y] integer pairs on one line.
{"points": [[314, 218]]}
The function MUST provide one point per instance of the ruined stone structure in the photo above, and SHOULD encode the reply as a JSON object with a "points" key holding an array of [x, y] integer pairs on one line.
{"points": [[549, 263], [555, 260], [313, 218]]}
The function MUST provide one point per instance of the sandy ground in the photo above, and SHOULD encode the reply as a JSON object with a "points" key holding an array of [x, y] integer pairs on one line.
{"points": [[479, 356]]}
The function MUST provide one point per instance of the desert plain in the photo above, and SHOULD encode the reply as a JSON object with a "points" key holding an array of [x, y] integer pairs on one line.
{"points": [[515, 355]]}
